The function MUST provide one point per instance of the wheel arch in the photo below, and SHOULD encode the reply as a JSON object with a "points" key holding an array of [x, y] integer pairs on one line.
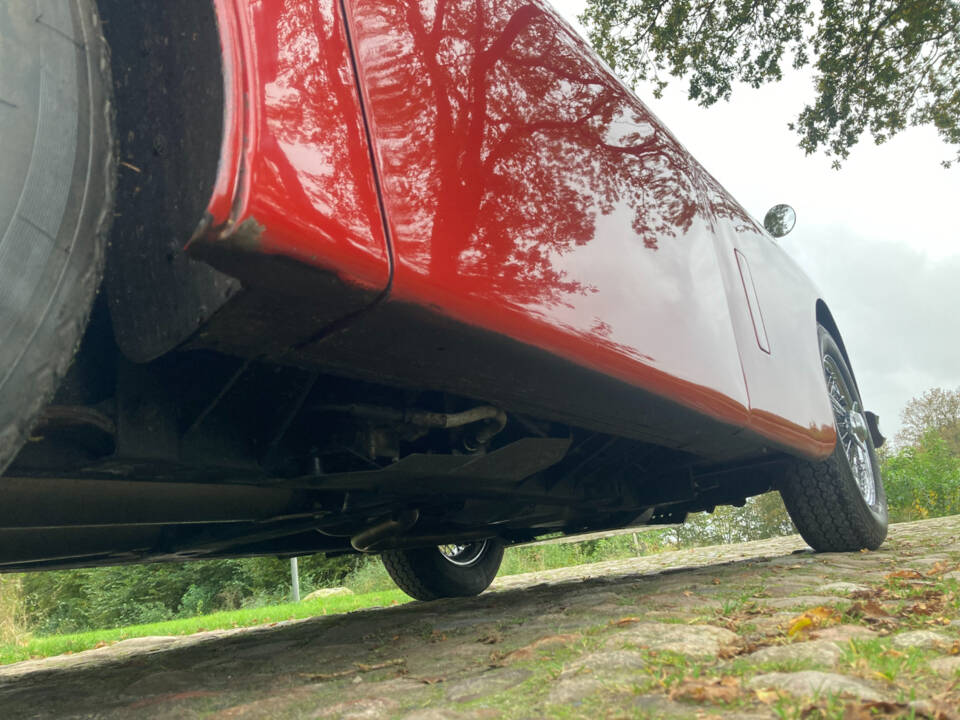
{"points": [[825, 318]]}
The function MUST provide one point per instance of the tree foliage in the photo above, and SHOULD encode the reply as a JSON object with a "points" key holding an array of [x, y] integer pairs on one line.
{"points": [[879, 65], [923, 480], [763, 516], [936, 409]]}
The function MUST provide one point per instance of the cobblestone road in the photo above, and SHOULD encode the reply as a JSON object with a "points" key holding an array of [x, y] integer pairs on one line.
{"points": [[758, 630]]}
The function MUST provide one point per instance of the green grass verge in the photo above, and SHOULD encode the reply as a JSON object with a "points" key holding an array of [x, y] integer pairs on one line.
{"points": [[39, 647]]}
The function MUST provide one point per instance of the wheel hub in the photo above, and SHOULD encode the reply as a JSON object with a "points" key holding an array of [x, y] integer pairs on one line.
{"points": [[463, 555]]}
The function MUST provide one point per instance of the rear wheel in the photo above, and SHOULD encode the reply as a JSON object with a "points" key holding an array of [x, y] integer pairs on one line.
{"points": [[839, 504], [56, 192], [445, 571]]}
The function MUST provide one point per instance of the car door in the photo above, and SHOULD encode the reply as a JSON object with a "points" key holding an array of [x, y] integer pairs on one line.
{"points": [[529, 193], [773, 306]]}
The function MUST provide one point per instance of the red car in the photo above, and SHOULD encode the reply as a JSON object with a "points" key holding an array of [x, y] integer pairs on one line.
{"points": [[412, 278]]}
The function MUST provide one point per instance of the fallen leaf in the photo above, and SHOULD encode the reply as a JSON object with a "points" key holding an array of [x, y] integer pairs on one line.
{"points": [[526, 652], [768, 697], [874, 709], [431, 680], [740, 648], [938, 568], [872, 613], [819, 616], [716, 581], [491, 638], [799, 624], [904, 575], [721, 690]]}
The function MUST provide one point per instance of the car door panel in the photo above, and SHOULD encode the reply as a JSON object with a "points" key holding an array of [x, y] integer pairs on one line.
{"points": [[527, 192]]}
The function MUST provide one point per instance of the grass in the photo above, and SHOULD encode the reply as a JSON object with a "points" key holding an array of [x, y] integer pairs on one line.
{"points": [[39, 647]]}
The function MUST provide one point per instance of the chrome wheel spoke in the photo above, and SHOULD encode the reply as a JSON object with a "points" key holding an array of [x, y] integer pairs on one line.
{"points": [[463, 555], [852, 431], [838, 408]]}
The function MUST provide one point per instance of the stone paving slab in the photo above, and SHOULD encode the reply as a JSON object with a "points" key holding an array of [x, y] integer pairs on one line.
{"points": [[757, 630]]}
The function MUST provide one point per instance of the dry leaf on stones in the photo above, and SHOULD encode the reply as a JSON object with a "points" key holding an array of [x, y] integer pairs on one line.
{"points": [[491, 638], [721, 690], [939, 568], [819, 616], [768, 697], [526, 652], [904, 575], [922, 710], [872, 613]]}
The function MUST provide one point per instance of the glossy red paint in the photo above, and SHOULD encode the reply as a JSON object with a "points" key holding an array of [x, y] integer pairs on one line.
{"points": [[525, 190], [295, 165], [529, 193]]}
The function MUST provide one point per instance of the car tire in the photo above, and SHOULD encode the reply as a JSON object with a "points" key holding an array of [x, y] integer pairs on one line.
{"points": [[56, 197], [838, 504], [438, 572]]}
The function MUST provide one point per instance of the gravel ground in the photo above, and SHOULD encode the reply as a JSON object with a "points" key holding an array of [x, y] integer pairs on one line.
{"points": [[765, 629]]}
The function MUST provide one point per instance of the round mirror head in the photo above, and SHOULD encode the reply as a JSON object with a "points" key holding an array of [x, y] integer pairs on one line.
{"points": [[780, 220]]}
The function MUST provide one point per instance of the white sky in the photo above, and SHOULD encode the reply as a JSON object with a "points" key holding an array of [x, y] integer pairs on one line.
{"points": [[879, 237]]}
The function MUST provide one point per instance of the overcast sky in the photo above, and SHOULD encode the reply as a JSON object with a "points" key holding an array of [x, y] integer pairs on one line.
{"points": [[879, 237]]}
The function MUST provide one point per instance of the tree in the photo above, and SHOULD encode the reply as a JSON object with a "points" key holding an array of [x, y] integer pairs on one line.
{"points": [[936, 409], [879, 65], [923, 480]]}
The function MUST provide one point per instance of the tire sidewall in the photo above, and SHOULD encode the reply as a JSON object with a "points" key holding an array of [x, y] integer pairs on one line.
{"points": [[46, 325], [448, 580], [878, 516]]}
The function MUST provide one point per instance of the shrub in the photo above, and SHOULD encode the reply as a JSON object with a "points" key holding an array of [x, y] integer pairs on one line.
{"points": [[922, 480]]}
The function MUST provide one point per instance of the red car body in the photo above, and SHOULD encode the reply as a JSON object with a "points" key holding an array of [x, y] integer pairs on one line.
{"points": [[387, 275], [478, 161]]}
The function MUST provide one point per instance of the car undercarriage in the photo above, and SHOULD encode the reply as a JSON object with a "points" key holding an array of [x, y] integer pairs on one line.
{"points": [[200, 454]]}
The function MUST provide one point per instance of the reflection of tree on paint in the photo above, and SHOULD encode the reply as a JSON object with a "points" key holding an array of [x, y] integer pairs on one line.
{"points": [[503, 141], [311, 111]]}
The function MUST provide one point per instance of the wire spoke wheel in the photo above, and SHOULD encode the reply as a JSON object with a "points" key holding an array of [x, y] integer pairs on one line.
{"points": [[838, 503], [451, 570], [853, 433], [463, 555]]}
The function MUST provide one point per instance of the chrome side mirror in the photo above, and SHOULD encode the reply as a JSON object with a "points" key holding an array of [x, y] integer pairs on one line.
{"points": [[780, 220]]}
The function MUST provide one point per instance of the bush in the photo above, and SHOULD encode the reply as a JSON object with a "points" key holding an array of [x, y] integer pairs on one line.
{"points": [[923, 480], [88, 599]]}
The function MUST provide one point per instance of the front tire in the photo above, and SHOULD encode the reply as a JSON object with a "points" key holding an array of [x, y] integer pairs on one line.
{"points": [[56, 197], [838, 504], [446, 571]]}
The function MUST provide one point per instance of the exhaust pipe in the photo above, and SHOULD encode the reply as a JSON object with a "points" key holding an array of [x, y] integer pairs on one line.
{"points": [[365, 540]]}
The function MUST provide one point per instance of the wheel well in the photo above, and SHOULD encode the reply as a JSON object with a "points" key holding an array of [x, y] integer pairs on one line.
{"points": [[825, 318], [169, 100]]}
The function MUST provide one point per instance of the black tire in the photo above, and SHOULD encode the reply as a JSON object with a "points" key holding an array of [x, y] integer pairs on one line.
{"points": [[428, 574], [56, 197], [824, 499]]}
